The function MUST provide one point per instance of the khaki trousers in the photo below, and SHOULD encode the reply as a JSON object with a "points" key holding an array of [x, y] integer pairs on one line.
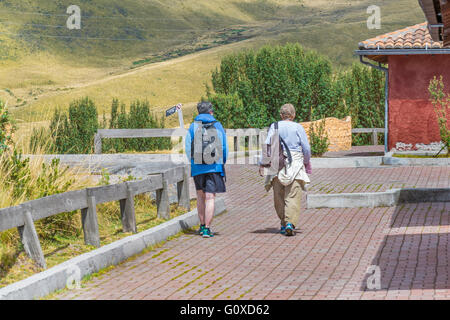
{"points": [[287, 201]]}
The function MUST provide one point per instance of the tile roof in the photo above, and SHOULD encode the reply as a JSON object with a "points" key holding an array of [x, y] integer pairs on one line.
{"points": [[414, 37]]}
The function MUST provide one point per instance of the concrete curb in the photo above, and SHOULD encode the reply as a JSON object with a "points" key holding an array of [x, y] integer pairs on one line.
{"points": [[411, 162], [348, 162], [158, 161], [51, 280], [389, 198]]}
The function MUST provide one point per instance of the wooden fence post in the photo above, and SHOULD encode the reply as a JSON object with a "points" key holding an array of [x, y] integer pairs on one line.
{"points": [[162, 199], [30, 239], [90, 222], [183, 190], [375, 137], [97, 144], [127, 212]]}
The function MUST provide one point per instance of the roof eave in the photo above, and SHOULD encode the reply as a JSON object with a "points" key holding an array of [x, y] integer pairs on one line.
{"points": [[432, 17], [387, 52]]}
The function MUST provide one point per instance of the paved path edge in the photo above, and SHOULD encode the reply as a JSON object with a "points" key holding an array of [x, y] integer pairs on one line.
{"points": [[389, 160], [389, 198], [53, 279]]}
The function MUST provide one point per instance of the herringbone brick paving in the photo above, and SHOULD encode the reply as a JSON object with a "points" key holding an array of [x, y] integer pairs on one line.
{"points": [[327, 259]]}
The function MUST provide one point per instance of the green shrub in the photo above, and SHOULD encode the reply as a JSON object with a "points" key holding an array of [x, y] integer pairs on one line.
{"points": [[16, 175], [74, 132], [441, 104], [272, 76], [139, 117], [360, 93], [250, 87], [318, 139], [6, 128], [69, 133]]}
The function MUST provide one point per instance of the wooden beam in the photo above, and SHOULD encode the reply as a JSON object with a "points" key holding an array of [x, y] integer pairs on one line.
{"points": [[429, 10], [127, 212], [30, 239], [162, 199], [183, 190], [445, 12], [90, 223]]}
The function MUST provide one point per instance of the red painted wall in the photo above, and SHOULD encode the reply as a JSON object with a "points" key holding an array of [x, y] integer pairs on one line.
{"points": [[412, 118]]}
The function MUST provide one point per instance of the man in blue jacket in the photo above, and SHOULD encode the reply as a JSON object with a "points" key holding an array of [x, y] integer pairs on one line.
{"points": [[207, 149]]}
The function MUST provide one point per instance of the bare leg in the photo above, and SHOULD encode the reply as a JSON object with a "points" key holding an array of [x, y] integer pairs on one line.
{"points": [[201, 206], [209, 208]]}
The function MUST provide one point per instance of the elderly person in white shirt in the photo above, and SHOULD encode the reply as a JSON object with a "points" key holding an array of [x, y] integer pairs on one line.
{"points": [[289, 182]]}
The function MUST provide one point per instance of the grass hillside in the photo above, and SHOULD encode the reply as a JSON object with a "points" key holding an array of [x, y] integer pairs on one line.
{"points": [[162, 51]]}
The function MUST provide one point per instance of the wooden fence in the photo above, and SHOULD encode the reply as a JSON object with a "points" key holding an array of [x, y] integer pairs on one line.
{"points": [[373, 131], [24, 215], [252, 136]]}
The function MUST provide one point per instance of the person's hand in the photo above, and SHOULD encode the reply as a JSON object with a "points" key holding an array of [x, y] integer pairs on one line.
{"points": [[179, 106], [261, 171], [308, 168]]}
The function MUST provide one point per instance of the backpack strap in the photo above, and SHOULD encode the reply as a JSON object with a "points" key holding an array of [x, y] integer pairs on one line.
{"points": [[209, 125], [289, 155]]}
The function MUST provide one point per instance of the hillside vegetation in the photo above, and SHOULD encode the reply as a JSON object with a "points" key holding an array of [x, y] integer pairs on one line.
{"points": [[162, 51]]}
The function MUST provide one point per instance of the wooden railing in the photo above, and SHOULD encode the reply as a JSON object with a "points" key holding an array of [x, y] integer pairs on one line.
{"points": [[373, 131], [252, 136], [24, 215]]}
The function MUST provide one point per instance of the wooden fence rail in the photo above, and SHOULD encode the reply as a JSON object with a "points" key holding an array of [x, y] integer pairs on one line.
{"points": [[252, 136], [373, 131], [86, 200]]}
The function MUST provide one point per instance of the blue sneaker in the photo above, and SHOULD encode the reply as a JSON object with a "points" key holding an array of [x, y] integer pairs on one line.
{"points": [[207, 233], [201, 230], [283, 230], [289, 230]]}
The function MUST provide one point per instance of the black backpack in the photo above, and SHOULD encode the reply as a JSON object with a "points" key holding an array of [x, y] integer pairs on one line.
{"points": [[207, 140]]}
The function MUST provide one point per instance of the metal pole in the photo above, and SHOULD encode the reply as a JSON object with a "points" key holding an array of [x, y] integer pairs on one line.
{"points": [[386, 112]]}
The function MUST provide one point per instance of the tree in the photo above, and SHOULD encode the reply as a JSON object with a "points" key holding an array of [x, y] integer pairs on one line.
{"points": [[6, 128], [250, 87]]}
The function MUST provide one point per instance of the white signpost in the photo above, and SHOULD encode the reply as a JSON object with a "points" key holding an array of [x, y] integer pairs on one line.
{"points": [[177, 108]]}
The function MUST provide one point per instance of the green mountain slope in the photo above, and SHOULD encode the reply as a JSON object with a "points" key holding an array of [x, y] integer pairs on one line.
{"points": [[43, 64], [122, 29]]}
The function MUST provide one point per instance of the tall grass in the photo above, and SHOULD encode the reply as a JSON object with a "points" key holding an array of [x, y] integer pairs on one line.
{"points": [[25, 179], [73, 132]]}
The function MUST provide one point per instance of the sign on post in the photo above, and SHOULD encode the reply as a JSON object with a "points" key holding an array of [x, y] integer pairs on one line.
{"points": [[174, 109]]}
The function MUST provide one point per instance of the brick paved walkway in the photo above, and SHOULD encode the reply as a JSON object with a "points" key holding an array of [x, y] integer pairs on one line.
{"points": [[327, 259]]}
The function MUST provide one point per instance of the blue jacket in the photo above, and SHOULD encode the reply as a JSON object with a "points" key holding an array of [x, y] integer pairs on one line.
{"points": [[197, 169]]}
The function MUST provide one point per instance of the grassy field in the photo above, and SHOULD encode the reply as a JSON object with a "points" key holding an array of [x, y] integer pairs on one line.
{"points": [[167, 49], [61, 236], [16, 265]]}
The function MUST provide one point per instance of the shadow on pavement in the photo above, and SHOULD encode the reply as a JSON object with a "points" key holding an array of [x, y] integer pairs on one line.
{"points": [[415, 260], [420, 215]]}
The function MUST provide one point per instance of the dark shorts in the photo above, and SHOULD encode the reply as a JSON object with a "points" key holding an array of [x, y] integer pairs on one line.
{"points": [[210, 183]]}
